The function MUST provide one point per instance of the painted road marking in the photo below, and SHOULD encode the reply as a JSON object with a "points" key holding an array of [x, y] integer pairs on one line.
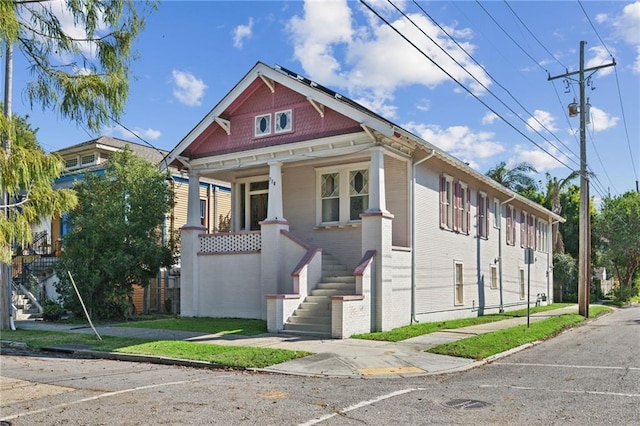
{"points": [[377, 371], [360, 405], [585, 392], [595, 367]]}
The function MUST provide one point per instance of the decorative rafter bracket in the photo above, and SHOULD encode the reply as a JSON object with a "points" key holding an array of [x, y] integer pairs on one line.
{"points": [[317, 106], [369, 132], [270, 83], [225, 124]]}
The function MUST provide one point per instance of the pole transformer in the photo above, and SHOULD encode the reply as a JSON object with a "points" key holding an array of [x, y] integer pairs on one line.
{"points": [[584, 250]]}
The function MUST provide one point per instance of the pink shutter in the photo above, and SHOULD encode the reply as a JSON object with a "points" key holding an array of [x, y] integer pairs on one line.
{"points": [[456, 207], [468, 212], [523, 229], [486, 217], [443, 202]]}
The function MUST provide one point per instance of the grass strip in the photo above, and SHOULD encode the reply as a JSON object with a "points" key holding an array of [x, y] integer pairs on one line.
{"points": [[414, 330], [232, 356], [488, 344], [244, 327]]}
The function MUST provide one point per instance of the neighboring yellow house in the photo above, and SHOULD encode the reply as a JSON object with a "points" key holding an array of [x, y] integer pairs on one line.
{"points": [[163, 293]]}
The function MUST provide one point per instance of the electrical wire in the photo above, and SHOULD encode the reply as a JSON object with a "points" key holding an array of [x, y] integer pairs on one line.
{"points": [[462, 85], [162, 154], [492, 78], [594, 29], [626, 128], [533, 35]]}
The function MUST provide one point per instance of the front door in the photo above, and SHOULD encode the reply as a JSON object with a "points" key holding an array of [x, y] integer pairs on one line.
{"points": [[254, 198]]}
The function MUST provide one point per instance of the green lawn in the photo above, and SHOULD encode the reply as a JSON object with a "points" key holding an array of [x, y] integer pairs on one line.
{"points": [[414, 330], [244, 327], [232, 356], [486, 345]]}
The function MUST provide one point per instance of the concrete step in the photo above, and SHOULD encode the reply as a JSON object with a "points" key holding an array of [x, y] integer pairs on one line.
{"points": [[339, 279], [307, 328], [337, 285], [330, 292], [321, 320]]}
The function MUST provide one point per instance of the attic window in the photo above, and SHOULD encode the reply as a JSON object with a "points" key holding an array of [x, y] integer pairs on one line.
{"points": [[88, 159], [71, 162], [283, 121], [263, 125]]}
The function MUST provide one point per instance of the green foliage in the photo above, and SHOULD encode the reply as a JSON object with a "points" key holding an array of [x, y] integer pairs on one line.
{"points": [[52, 311], [81, 72], [245, 327], [115, 239], [27, 174], [565, 275], [617, 231], [518, 178]]}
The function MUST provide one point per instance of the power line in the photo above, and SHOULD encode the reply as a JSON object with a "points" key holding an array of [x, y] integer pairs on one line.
{"points": [[532, 35], [462, 85], [490, 76], [626, 128], [594, 29]]}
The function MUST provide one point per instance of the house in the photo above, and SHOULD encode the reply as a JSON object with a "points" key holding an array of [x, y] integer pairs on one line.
{"points": [[91, 157], [343, 222]]}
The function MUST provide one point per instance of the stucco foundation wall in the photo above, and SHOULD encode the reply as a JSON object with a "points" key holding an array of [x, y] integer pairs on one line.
{"points": [[230, 286], [401, 264], [292, 253]]}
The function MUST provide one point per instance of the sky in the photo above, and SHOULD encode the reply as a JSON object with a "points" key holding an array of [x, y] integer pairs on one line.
{"points": [[472, 78]]}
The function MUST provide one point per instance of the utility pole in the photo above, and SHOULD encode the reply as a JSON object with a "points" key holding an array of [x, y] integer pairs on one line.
{"points": [[584, 250], [5, 269]]}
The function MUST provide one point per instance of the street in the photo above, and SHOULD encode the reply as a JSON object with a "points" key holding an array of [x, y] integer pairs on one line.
{"points": [[586, 376]]}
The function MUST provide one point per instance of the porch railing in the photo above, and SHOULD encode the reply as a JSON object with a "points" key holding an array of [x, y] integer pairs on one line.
{"points": [[231, 242]]}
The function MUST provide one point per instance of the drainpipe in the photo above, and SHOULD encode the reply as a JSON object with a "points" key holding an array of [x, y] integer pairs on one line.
{"points": [[413, 233], [501, 310], [550, 260]]}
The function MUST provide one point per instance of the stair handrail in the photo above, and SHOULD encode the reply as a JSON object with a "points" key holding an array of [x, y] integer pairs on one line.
{"points": [[22, 289]]}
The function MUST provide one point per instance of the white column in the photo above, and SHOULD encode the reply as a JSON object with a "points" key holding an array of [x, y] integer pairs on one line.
{"points": [[193, 206], [274, 206], [377, 199]]}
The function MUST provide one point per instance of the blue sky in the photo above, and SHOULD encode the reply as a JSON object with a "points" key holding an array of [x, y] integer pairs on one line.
{"points": [[192, 53]]}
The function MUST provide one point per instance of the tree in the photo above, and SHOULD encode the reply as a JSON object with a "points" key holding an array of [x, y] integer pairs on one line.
{"points": [[617, 229], [82, 77], [517, 178], [555, 187], [115, 239], [26, 176]]}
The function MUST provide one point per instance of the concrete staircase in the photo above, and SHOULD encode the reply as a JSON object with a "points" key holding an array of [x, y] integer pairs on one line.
{"points": [[313, 316], [25, 309]]}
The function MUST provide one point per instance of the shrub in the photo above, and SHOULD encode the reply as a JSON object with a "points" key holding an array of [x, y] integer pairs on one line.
{"points": [[52, 311]]}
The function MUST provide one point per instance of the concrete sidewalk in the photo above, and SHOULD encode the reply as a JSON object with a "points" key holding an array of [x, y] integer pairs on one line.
{"points": [[331, 358]]}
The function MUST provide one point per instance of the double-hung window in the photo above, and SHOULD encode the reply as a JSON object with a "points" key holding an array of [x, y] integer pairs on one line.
{"points": [[511, 225], [343, 193], [483, 215], [459, 283], [455, 214]]}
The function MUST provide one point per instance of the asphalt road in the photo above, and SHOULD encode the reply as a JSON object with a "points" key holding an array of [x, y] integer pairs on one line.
{"points": [[587, 376]]}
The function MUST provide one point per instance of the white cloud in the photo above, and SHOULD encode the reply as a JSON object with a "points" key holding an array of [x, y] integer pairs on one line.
{"points": [[540, 160], [375, 60], [540, 121], [189, 89], [119, 131], [600, 56], [242, 32], [489, 118], [459, 141], [626, 27], [601, 121]]}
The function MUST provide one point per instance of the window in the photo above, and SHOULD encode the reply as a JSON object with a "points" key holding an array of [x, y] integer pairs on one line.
{"points": [[343, 193], [511, 225], [522, 286], [446, 202], [203, 212], [483, 215], [462, 200], [542, 235], [455, 197], [497, 216], [263, 125], [283, 121], [523, 229], [71, 162], [494, 277], [253, 201], [358, 193], [88, 159], [459, 283]]}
